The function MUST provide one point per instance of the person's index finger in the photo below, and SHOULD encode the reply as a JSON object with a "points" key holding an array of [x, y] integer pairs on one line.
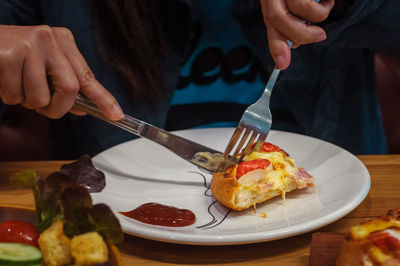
{"points": [[103, 99], [89, 86], [289, 25], [311, 10], [297, 31], [279, 48]]}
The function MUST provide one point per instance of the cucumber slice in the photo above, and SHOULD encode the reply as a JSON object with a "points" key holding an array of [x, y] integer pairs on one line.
{"points": [[13, 254]]}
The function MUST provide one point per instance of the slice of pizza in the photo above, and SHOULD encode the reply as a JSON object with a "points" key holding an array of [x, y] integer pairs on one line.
{"points": [[260, 176], [374, 242]]}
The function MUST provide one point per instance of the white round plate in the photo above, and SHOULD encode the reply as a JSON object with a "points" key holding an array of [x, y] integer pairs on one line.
{"points": [[140, 171]]}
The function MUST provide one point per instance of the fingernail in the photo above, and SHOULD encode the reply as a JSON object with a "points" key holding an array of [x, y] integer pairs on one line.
{"points": [[118, 114], [280, 61], [321, 37]]}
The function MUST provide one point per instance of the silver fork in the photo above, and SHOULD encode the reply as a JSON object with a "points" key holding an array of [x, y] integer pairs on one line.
{"points": [[255, 123]]}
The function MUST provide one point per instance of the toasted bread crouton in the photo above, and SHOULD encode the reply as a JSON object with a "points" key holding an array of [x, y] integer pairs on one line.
{"points": [[114, 255], [55, 246], [88, 249]]}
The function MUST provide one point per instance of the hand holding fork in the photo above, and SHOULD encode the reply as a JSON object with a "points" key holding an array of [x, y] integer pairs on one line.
{"points": [[255, 124]]}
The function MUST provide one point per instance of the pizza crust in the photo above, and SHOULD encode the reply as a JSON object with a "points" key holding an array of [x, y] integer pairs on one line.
{"points": [[224, 187], [352, 254]]}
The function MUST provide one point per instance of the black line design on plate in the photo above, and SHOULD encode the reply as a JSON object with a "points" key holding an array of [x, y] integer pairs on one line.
{"points": [[206, 192], [214, 221], [223, 219]]}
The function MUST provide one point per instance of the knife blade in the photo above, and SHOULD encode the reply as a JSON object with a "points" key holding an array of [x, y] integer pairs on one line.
{"points": [[195, 153]]}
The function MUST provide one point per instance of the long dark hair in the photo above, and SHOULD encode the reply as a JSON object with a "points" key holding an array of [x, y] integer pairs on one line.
{"points": [[132, 42]]}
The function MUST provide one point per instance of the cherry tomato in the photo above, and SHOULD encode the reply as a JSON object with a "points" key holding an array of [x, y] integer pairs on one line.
{"points": [[247, 166], [19, 232]]}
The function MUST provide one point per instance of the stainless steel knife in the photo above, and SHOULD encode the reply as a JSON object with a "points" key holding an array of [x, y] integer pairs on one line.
{"points": [[195, 153]]}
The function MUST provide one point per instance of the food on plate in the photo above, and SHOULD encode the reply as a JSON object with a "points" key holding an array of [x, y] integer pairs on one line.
{"points": [[261, 175], [163, 215], [89, 248], [55, 246], [19, 232], [83, 249], [374, 242], [73, 231], [19, 254]]}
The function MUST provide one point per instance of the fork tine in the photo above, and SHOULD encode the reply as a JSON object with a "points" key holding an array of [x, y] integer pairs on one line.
{"points": [[260, 142], [253, 146], [232, 141], [224, 163], [241, 143], [247, 150], [256, 117]]}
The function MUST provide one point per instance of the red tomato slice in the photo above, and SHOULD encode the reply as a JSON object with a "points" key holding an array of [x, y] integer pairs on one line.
{"points": [[247, 166], [268, 147], [19, 232], [385, 241]]}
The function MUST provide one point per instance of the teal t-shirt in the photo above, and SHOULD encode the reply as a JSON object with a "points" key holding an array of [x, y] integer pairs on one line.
{"points": [[222, 76]]}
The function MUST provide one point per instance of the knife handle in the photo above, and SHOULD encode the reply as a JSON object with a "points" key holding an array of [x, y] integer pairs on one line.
{"points": [[127, 123]]}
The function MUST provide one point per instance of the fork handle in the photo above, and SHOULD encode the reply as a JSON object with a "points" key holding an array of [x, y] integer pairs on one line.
{"points": [[272, 79], [127, 123]]}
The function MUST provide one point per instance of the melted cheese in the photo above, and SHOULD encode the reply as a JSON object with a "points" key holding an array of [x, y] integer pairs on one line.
{"points": [[362, 231], [273, 157], [283, 167], [276, 177], [258, 185], [378, 255]]}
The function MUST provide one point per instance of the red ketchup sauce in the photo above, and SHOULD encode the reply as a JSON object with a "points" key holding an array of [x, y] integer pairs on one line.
{"points": [[158, 214]]}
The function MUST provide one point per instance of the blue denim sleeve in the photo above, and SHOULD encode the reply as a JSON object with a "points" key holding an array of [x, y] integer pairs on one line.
{"points": [[370, 24]]}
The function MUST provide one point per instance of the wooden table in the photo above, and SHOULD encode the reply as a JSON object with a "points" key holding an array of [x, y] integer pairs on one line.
{"points": [[384, 195]]}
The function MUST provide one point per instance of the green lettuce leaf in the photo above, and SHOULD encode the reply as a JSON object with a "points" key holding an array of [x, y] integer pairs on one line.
{"points": [[75, 204], [65, 195], [24, 179], [83, 172], [105, 223], [47, 192]]}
